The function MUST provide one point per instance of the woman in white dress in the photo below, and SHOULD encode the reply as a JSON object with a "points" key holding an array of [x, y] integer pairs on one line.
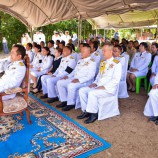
{"points": [[44, 66]]}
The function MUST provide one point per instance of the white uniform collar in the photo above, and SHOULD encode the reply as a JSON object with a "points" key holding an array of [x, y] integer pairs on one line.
{"points": [[16, 62], [86, 59], [110, 59]]}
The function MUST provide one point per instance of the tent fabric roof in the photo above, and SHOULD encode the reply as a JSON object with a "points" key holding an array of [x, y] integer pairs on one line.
{"points": [[37, 13], [133, 19]]}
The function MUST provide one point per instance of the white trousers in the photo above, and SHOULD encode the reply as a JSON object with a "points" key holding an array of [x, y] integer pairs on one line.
{"points": [[36, 73], [89, 99], [68, 91], [151, 107], [49, 85]]}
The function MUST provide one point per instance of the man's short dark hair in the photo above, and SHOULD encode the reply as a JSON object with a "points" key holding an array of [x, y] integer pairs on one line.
{"points": [[51, 41], [144, 44], [38, 47], [42, 42], [86, 45], [30, 45], [95, 45], [20, 50], [119, 47], [69, 48], [155, 44], [63, 43]]}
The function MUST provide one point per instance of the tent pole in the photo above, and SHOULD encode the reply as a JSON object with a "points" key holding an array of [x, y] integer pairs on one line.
{"points": [[104, 33], [79, 31], [96, 32], [157, 31]]}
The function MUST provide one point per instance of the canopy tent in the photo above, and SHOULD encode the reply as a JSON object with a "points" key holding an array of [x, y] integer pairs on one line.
{"points": [[132, 19], [35, 13]]}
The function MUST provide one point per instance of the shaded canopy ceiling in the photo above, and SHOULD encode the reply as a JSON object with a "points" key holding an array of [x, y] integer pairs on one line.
{"points": [[134, 19], [37, 13]]}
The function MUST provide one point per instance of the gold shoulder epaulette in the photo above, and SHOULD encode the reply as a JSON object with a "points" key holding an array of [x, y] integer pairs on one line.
{"points": [[71, 57], [116, 61], [92, 59], [102, 60], [21, 63]]}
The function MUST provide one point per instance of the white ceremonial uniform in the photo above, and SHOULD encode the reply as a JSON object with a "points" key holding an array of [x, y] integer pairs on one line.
{"points": [[122, 93], [35, 63], [97, 58], [30, 53], [126, 56], [100, 52], [154, 69], [12, 77], [4, 63], [46, 64], [151, 107], [109, 76], [84, 72], [123, 63], [51, 50], [77, 56], [49, 82], [141, 63]]}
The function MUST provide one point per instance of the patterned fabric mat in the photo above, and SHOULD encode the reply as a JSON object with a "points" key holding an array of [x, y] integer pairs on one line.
{"points": [[52, 135]]}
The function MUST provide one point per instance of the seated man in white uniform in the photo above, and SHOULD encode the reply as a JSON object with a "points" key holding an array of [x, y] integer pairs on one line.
{"points": [[49, 81], [139, 66], [151, 107], [29, 51], [82, 76], [15, 72], [51, 47], [105, 85], [154, 70]]}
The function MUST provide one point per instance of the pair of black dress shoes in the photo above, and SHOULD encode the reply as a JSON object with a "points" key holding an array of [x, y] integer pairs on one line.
{"points": [[65, 107], [50, 100], [91, 117]]}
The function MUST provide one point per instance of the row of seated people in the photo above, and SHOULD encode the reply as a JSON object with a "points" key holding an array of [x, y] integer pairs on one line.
{"points": [[68, 80]]}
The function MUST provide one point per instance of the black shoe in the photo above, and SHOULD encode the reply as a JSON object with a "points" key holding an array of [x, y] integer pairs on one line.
{"points": [[156, 122], [154, 118], [83, 115], [52, 100], [68, 107], [44, 96], [91, 118], [63, 104]]}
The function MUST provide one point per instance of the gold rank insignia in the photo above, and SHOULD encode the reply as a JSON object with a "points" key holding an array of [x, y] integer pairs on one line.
{"points": [[96, 54], [102, 67], [116, 61], [92, 60], [71, 57], [21, 63]]}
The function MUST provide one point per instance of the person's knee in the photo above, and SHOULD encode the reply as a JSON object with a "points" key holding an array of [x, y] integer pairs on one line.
{"points": [[82, 91], [132, 76], [71, 87], [153, 92]]}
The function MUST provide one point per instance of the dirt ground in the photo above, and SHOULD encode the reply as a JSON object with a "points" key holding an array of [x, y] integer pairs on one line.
{"points": [[131, 134]]}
